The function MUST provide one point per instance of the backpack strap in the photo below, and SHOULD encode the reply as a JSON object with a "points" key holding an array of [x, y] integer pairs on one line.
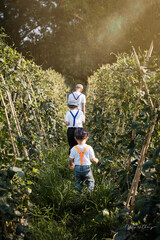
{"points": [[75, 97], [74, 117], [81, 153]]}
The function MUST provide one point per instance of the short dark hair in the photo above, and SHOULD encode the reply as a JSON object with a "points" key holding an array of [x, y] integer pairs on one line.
{"points": [[72, 106], [80, 133]]}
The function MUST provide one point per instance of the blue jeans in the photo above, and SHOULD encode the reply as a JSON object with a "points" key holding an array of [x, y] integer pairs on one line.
{"points": [[83, 174]]}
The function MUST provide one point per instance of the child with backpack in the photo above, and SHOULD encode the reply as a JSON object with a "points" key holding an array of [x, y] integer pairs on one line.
{"points": [[74, 118], [82, 155]]}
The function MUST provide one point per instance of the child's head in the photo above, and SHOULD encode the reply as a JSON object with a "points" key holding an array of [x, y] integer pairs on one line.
{"points": [[81, 134], [79, 87], [72, 104]]}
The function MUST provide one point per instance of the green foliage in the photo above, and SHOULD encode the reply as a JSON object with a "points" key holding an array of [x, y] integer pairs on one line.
{"points": [[14, 194], [75, 37], [39, 98], [116, 95], [60, 210], [35, 99], [38, 199]]}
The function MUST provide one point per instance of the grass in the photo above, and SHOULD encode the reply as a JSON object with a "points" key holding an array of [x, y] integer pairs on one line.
{"points": [[60, 212]]}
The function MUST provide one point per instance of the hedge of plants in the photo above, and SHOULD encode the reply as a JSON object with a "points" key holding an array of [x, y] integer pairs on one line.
{"points": [[123, 120], [32, 108], [123, 124]]}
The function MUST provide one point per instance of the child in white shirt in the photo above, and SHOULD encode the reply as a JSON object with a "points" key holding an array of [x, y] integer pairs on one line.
{"points": [[74, 118], [82, 154], [79, 97]]}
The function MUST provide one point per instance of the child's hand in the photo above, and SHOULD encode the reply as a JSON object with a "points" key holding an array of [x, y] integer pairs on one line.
{"points": [[71, 166], [96, 160]]}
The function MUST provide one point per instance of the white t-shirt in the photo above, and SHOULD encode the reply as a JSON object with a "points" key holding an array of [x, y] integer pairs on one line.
{"points": [[79, 97], [78, 120], [89, 154]]}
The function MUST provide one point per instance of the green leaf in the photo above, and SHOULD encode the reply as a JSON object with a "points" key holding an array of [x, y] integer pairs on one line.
{"points": [[147, 165], [135, 125], [21, 229], [156, 155], [131, 145], [3, 191], [21, 174], [99, 218], [10, 173]]}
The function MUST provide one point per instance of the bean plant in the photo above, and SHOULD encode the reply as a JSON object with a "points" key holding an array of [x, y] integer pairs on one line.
{"points": [[32, 108], [123, 120]]}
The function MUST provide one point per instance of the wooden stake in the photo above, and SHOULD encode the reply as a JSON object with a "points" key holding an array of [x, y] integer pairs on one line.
{"points": [[146, 88], [137, 59], [13, 111], [133, 190], [14, 145], [149, 53], [143, 78]]}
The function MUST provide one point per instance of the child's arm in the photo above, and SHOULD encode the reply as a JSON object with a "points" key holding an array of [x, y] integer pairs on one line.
{"points": [[67, 119], [83, 118], [67, 123], [71, 163], [92, 155], [95, 160], [83, 108]]}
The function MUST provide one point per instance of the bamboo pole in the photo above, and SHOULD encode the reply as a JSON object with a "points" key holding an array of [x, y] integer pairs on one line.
{"points": [[24, 113], [13, 111], [138, 63], [14, 145], [149, 53], [135, 182], [147, 91], [14, 114], [143, 78], [17, 123]]}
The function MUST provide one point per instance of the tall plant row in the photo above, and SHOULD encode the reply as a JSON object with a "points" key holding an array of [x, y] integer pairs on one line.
{"points": [[123, 120], [32, 107], [33, 102]]}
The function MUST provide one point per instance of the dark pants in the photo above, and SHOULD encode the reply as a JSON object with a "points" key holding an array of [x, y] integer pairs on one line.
{"points": [[71, 140]]}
